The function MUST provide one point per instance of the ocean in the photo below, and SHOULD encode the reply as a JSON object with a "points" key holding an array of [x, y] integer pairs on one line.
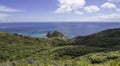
{"points": [[69, 29]]}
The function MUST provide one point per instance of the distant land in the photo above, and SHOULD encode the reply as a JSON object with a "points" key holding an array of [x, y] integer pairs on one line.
{"points": [[98, 49]]}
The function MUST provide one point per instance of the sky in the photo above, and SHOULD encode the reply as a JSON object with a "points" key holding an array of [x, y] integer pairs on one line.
{"points": [[59, 10]]}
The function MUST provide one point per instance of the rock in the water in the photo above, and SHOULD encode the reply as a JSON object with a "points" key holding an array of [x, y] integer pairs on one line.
{"points": [[55, 34]]}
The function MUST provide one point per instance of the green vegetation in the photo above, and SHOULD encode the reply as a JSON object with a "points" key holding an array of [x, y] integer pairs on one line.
{"points": [[100, 49]]}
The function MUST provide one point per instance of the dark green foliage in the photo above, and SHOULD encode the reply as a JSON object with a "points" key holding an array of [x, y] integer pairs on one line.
{"points": [[106, 39], [57, 50], [74, 51]]}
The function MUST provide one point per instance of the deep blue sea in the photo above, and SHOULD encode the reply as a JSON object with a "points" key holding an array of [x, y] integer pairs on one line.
{"points": [[69, 29]]}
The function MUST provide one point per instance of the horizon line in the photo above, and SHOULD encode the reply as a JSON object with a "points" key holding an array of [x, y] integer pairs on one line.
{"points": [[62, 22]]}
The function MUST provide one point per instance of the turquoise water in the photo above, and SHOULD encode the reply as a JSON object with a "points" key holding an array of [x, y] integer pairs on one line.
{"points": [[69, 29]]}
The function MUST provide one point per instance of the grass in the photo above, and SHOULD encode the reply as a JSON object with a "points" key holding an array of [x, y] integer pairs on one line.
{"points": [[19, 50]]}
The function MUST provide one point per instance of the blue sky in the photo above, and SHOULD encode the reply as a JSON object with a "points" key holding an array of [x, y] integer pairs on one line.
{"points": [[59, 10]]}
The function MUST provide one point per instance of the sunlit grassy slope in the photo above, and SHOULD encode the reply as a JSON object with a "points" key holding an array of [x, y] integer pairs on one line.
{"points": [[100, 49]]}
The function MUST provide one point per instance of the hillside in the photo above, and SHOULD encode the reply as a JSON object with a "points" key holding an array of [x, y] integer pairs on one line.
{"points": [[105, 39], [99, 49]]}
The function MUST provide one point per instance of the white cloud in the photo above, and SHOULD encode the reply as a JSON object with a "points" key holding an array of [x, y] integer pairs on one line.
{"points": [[91, 8], [114, 0], [118, 10], [69, 5], [63, 9], [113, 16], [108, 5], [3, 16], [7, 9], [79, 13]]}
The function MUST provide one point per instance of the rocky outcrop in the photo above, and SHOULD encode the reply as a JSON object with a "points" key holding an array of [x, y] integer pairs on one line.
{"points": [[55, 34]]}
